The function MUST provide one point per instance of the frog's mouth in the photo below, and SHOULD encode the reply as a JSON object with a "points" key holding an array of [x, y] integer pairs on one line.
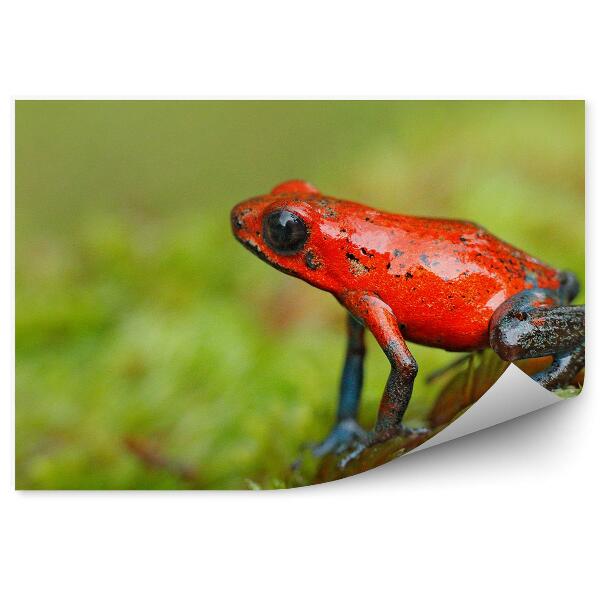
{"points": [[254, 248]]}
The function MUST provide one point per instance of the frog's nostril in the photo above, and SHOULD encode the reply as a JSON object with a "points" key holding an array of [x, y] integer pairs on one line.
{"points": [[237, 218], [241, 217]]}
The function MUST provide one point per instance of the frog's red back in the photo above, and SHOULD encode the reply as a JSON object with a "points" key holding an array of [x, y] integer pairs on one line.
{"points": [[442, 278]]}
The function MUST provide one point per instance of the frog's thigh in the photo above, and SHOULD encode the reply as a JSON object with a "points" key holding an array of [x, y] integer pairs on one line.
{"points": [[533, 324]]}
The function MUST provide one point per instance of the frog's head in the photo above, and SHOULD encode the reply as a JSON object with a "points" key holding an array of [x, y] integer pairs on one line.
{"points": [[295, 229]]}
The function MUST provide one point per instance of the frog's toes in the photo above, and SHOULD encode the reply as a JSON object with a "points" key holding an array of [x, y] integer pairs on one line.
{"points": [[406, 431], [397, 431], [356, 452], [346, 435]]}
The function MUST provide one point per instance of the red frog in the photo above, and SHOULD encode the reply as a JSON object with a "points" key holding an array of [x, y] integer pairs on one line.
{"points": [[438, 282]]}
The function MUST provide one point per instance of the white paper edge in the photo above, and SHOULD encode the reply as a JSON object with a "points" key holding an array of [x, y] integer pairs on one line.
{"points": [[513, 395]]}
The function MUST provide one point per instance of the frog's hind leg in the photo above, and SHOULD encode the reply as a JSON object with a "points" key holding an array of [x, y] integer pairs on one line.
{"points": [[535, 323], [346, 431]]}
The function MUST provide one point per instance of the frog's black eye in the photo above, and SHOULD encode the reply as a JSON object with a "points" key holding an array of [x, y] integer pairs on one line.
{"points": [[284, 232]]}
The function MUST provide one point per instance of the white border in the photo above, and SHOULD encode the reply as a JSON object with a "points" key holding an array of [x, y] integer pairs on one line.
{"points": [[511, 512]]}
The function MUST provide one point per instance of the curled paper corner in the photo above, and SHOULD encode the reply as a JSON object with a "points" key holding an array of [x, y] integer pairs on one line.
{"points": [[483, 393], [513, 395]]}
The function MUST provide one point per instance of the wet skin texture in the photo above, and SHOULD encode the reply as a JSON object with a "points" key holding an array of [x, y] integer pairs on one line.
{"points": [[437, 282]]}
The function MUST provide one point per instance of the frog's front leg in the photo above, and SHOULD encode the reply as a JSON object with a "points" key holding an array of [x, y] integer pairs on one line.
{"points": [[379, 318], [346, 432]]}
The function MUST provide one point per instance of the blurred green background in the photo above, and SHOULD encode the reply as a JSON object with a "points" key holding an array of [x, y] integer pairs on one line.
{"points": [[153, 351]]}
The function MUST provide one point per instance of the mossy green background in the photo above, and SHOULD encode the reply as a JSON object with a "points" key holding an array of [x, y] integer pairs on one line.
{"points": [[138, 317]]}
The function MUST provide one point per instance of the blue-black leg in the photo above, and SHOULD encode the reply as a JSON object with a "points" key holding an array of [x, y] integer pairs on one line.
{"points": [[346, 431], [352, 375]]}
